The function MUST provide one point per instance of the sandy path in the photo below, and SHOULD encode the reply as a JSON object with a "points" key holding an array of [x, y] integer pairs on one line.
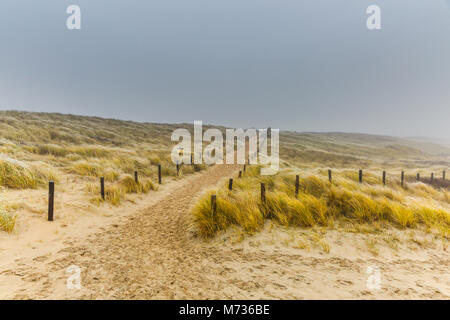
{"points": [[137, 258], [154, 254]]}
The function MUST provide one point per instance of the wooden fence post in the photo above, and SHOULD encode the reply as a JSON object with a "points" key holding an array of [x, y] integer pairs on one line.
{"points": [[136, 177], [360, 176], [51, 197], [418, 176], [240, 173], [297, 184], [244, 167], [159, 174], [384, 178], [443, 175], [432, 177], [403, 178], [213, 204], [263, 192], [329, 175], [102, 187], [230, 185]]}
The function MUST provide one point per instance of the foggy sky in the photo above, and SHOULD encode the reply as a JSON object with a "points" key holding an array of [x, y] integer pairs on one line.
{"points": [[304, 65]]}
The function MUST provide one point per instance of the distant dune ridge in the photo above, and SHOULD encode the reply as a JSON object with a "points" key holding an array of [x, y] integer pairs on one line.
{"points": [[31, 128]]}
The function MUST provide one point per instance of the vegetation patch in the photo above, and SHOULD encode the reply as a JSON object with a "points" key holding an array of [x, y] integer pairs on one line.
{"points": [[18, 175], [319, 203], [7, 220]]}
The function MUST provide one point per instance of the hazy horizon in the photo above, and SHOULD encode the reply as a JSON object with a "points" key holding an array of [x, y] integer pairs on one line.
{"points": [[309, 66]]}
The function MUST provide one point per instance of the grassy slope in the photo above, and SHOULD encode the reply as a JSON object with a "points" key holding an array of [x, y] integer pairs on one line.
{"points": [[350, 150], [37, 147], [85, 146], [324, 204], [42, 131]]}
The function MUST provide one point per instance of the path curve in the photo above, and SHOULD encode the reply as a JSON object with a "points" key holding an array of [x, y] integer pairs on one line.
{"points": [[142, 258]]}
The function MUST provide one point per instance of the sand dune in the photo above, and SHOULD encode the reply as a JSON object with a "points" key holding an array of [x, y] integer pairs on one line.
{"points": [[153, 253]]}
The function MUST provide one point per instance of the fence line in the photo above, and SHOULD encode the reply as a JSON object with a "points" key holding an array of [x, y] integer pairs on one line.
{"points": [[297, 182], [51, 192], [51, 189]]}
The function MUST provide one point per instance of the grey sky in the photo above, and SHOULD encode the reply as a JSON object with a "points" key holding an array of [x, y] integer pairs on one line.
{"points": [[305, 65]]}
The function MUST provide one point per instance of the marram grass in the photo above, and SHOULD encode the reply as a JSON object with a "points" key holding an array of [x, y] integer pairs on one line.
{"points": [[38, 147], [7, 216], [16, 175], [116, 192], [7, 220], [319, 203]]}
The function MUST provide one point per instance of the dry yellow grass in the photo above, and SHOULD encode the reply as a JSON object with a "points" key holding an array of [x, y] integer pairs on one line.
{"points": [[83, 146], [7, 220], [7, 217], [38, 147], [19, 175], [320, 203], [117, 191]]}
